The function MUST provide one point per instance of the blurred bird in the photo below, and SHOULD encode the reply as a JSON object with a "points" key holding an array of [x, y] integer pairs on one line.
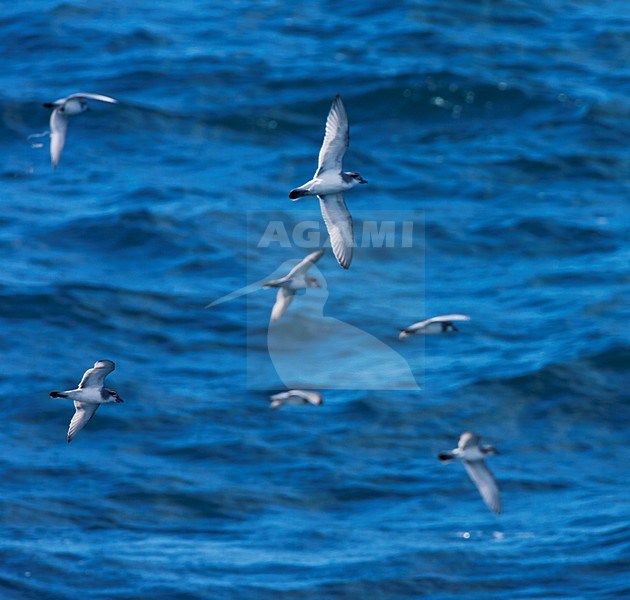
{"points": [[472, 454], [441, 324], [62, 108], [295, 280], [296, 397]]}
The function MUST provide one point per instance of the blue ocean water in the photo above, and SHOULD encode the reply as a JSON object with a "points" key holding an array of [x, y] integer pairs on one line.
{"points": [[504, 124]]}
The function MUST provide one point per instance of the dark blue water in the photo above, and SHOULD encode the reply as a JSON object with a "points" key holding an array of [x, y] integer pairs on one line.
{"points": [[501, 127]]}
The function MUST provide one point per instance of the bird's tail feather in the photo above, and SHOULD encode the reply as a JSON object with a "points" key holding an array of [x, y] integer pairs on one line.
{"points": [[297, 193]]}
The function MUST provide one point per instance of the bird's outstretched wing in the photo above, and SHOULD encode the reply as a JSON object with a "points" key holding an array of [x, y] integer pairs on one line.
{"points": [[98, 97], [304, 265], [446, 318], [336, 139], [83, 413], [468, 439], [96, 376], [485, 482], [284, 297], [58, 132], [339, 224]]}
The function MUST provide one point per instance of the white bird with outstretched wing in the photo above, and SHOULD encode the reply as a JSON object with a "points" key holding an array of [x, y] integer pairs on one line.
{"points": [[62, 108], [89, 395], [329, 183]]}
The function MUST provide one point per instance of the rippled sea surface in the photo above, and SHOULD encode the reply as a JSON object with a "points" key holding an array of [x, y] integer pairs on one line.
{"points": [[504, 125]]}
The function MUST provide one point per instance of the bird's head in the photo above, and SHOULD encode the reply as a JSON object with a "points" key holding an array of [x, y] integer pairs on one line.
{"points": [[356, 176], [113, 396]]}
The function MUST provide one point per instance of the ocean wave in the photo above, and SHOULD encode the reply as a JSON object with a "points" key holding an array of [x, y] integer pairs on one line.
{"points": [[592, 386], [535, 236]]}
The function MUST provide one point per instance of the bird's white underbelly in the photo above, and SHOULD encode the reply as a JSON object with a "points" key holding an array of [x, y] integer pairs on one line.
{"points": [[73, 107], [472, 454], [88, 395], [330, 184], [296, 284], [430, 329], [295, 401]]}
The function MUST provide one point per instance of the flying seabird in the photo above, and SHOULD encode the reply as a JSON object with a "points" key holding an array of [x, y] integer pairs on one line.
{"points": [[472, 454], [62, 108], [293, 281], [329, 183], [89, 395], [441, 324], [297, 397]]}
